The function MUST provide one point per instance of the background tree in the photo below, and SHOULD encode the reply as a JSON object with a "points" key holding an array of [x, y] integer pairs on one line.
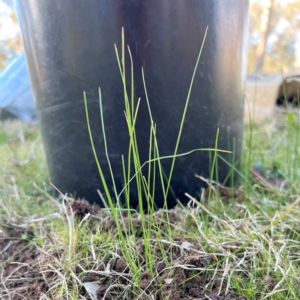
{"points": [[265, 29], [274, 36], [10, 46]]}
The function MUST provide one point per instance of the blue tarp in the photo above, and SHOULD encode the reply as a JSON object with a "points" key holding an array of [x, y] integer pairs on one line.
{"points": [[16, 95]]}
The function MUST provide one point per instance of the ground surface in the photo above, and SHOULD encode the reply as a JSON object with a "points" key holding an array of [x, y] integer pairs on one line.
{"points": [[27, 275], [228, 244]]}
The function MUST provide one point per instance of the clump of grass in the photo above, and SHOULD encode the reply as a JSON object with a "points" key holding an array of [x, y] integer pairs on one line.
{"points": [[144, 183]]}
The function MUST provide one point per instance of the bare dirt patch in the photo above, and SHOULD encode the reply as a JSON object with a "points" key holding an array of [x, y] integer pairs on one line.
{"points": [[82, 207], [21, 272]]}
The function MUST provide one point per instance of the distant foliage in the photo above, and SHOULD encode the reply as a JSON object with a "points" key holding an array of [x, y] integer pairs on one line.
{"points": [[11, 46], [274, 34]]}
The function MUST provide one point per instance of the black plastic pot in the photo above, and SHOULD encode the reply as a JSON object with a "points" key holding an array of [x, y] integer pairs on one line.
{"points": [[69, 47]]}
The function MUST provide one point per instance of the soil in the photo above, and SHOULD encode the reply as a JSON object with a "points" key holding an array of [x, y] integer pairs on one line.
{"points": [[21, 273], [25, 271]]}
